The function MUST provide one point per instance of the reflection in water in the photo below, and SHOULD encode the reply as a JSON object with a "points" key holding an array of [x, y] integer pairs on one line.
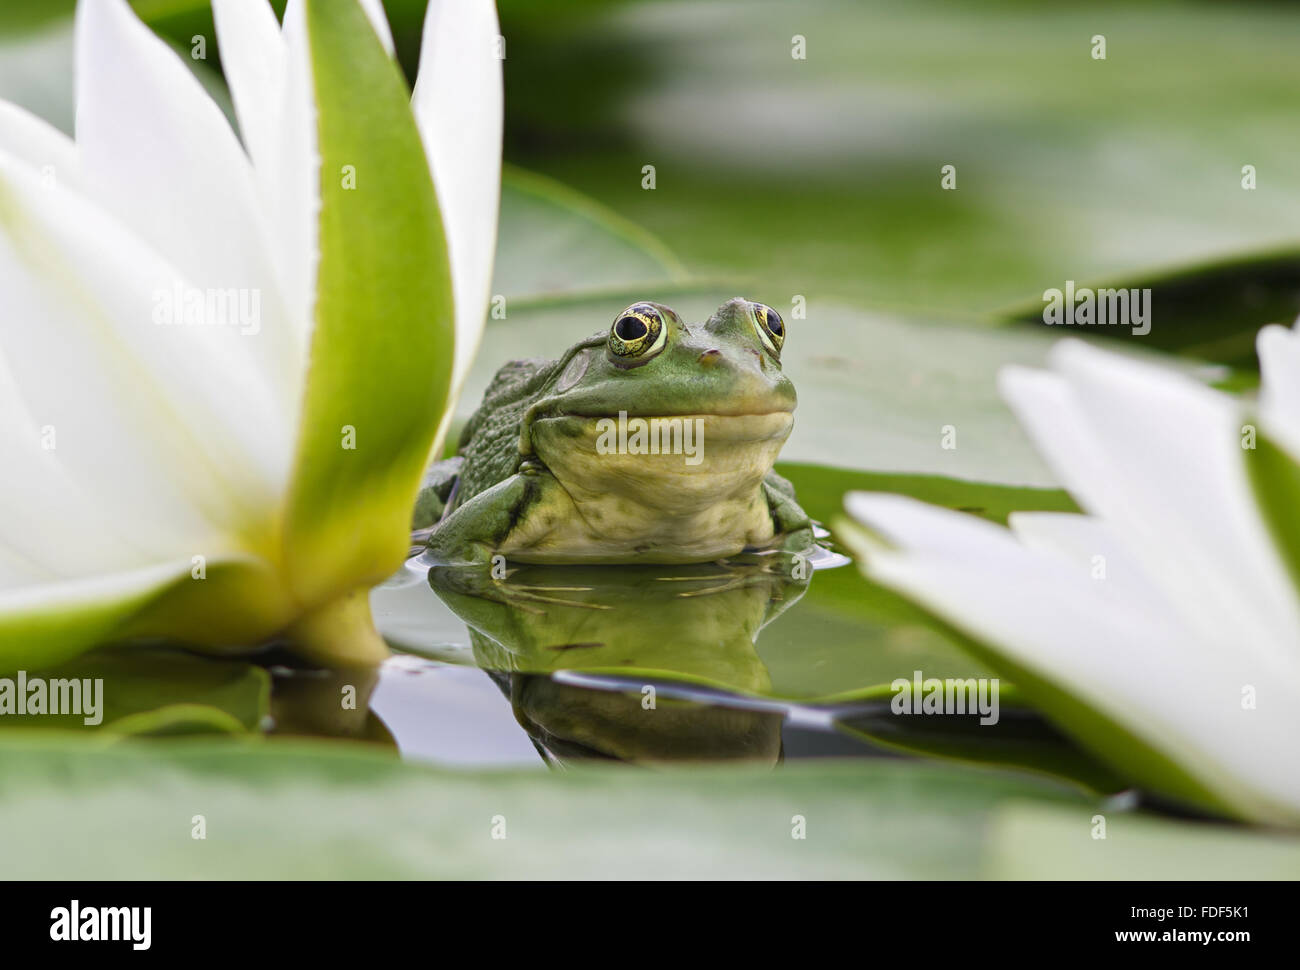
{"points": [[569, 723], [325, 703], [648, 625]]}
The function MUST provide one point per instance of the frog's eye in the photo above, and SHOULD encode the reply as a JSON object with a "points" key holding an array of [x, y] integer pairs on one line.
{"points": [[770, 326], [638, 331]]}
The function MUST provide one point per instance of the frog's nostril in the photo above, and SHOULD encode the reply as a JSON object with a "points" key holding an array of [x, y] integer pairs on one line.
{"points": [[710, 358]]}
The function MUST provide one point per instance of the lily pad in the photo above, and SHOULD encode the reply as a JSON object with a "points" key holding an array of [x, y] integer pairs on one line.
{"points": [[821, 491], [293, 810], [1044, 842], [1020, 739], [1211, 311], [554, 243], [156, 690]]}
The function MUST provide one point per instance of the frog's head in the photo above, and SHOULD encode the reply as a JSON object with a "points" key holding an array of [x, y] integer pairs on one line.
{"points": [[649, 363], [654, 402]]}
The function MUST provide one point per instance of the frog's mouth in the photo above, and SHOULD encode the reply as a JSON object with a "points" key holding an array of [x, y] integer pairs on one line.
{"points": [[738, 427], [729, 448]]}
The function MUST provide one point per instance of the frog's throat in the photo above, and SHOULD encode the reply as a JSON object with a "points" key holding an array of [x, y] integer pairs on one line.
{"points": [[676, 460]]}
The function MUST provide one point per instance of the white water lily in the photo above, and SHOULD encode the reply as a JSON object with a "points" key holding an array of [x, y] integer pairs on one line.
{"points": [[223, 365], [1162, 627]]}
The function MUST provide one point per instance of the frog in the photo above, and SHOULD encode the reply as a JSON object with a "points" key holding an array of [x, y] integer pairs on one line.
{"points": [[650, 442]]}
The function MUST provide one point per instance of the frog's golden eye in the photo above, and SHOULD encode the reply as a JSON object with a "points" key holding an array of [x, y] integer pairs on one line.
{"points": [[637, 332], [770, 326]]}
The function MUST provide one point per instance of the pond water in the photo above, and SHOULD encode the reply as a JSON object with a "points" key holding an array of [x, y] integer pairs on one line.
{"points": [[735, 661], [558, 665], [761, 659]]}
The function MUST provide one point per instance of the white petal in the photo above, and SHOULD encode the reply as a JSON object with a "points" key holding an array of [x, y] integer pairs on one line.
{"points": [[379, 20], [252, 58], [44, 623], [63, 596], [17, 570], [77, 593], [1158, 457], [1144, 670], [163, 422], [1089, 544], [458, 105], [53, 527], [158, 153], [293, 184]]}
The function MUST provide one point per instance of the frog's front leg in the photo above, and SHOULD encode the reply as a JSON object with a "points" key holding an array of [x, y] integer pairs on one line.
{"points": [[794, 529], [478, 529]]}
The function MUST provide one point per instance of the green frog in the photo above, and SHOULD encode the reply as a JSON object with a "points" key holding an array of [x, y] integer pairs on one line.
{"points": [[651, 442]]}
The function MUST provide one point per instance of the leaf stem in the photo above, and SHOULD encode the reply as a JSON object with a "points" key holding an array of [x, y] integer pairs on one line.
{"points": [[340, 634]]}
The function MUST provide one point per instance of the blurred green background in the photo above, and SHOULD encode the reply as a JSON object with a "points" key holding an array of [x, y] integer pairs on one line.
{"points": [[820, 176]]}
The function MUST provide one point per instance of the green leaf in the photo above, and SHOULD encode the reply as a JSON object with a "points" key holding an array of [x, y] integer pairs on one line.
{"points": [[1275, 476], [23, 15], [555, 243], [1045, 842], [381, 350], [41, 635], [1208, 311], [152, 689], [301, 811], [821, 492], [1019, 740]]}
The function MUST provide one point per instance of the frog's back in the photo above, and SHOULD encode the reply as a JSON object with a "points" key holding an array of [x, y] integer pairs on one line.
{"points": [[490, 441]]}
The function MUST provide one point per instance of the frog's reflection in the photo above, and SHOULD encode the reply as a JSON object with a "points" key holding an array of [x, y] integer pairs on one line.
{"points": [[568, 723], [644, 624]]}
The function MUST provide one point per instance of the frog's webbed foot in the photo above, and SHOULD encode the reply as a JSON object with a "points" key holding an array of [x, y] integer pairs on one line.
{"points": [[796, 533]]}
